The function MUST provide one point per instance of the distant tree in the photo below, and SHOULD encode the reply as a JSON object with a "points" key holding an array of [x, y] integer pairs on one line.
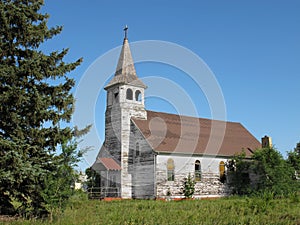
{"points": [[93, 178], [188, 186], [35, 97]]}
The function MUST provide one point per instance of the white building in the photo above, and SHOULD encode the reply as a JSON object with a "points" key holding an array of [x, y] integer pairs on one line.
{"points": [[147, 154]]}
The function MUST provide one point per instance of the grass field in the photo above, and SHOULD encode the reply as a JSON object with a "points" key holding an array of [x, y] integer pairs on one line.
{"points": [[234, 210]]}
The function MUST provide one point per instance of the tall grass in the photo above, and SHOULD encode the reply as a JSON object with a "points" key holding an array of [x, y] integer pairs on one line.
{"points": [[233, 210]]}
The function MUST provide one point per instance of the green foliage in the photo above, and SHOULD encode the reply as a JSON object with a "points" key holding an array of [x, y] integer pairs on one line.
{"points": [[188, 186], [265, 172], [60, 183], [275, 174], [93, 178], [238, 174], [35, 99], [294, 159]]}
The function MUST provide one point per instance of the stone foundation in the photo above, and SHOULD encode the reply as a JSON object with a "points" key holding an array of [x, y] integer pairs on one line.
{"points": [[209, 186]]}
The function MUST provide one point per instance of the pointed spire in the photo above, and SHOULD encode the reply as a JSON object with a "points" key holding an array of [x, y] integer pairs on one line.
{"points": [[125, 71], [125, 64]]}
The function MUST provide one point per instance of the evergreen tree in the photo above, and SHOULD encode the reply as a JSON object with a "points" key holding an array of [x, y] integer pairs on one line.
{"points": [[35, 100], [188, 186]]}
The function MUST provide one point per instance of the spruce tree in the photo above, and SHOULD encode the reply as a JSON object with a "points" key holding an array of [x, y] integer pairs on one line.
{"points": [[36, 104], [188, 186]]}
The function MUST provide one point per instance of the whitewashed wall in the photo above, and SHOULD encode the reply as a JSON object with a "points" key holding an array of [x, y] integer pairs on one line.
{"points": [[209, 185]]}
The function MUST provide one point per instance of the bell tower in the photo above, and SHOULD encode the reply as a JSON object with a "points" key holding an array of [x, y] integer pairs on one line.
{"points": [[125, 99]]}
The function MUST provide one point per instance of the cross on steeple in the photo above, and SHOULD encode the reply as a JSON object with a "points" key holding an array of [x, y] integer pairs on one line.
{"points": [[125, 30]]}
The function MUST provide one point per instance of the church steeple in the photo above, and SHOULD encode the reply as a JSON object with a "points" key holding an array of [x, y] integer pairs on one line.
{"points": [[125, 64], [125, 71], [125, 100]]}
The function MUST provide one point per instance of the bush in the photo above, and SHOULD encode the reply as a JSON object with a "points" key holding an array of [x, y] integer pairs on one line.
{"points": [[266, 171], [188, 186]]}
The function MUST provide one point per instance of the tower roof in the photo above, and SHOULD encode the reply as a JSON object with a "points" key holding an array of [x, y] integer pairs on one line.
{"points": [[125, 72]]}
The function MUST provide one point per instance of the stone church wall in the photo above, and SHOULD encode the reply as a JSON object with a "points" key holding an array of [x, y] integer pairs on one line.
{"points": [[209, 185]]}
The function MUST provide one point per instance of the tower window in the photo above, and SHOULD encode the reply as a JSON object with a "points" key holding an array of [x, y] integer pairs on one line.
{"points": [[170, 170], [138, 96], [197, 170], [129, 94], [116, 97]]}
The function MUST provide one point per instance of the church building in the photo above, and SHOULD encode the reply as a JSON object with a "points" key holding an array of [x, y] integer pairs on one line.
{"points": [[147, 154]]}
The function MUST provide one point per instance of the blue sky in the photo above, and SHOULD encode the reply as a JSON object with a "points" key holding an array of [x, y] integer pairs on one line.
{"points": [[252, 47]]}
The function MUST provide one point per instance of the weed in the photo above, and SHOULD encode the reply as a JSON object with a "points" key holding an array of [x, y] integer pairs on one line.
{"points": [[236, 210]]}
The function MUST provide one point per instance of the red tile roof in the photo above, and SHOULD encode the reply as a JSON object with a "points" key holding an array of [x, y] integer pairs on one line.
{"points": [[171, 133], [109, 163]]}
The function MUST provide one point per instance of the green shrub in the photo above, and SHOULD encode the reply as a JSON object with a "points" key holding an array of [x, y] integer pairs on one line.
{"points": [[188, 186]]}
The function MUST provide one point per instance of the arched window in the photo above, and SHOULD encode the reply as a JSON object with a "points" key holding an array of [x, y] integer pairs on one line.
{"points": [[170, 170], [129, 94], [116, 97], [197, 170], [222, 171], [138, 96]]}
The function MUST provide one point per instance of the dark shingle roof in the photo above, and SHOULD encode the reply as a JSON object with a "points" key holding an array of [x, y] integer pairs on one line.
{"points": [[171, 133]]}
